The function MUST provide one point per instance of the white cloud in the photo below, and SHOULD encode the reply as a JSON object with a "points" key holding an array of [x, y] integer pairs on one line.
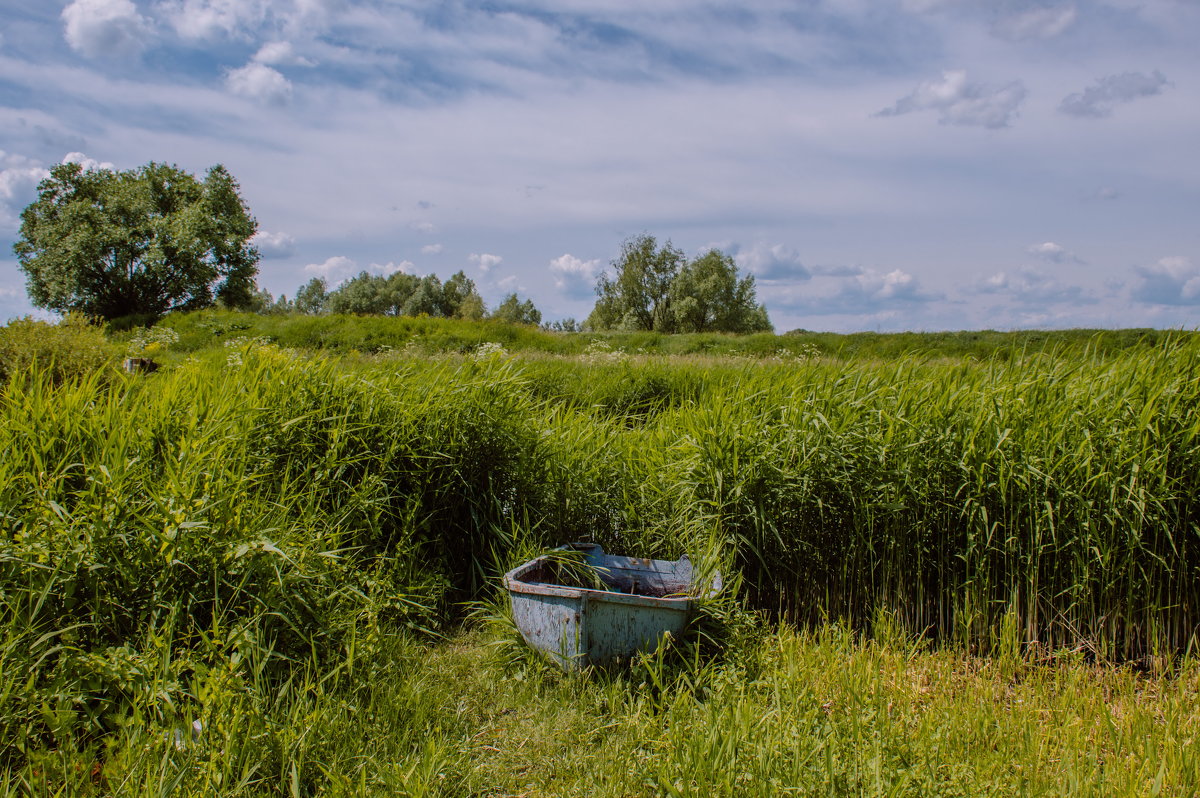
{"points": [[771, 262], [1113, 90], [260, 83], [486, 262], [1172, 281], [573, 276], [431, 249], [423, 227], [1032, 289], [1036, 23], [274, 245], [334, 269], [209, 19], [339, 268], [281, 53], [390, 268], [858, 292], [105, 28], [19, 177], [959, 102], [18, 174], [88, 164], [1052, 252]]}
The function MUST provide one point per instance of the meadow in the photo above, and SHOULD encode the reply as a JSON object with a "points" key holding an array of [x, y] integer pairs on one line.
{"points": [[964, 564]]}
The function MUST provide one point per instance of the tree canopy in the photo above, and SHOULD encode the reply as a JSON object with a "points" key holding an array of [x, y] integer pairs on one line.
{"points": [[707, 296], [148, 240], [638, 296], [513, 311], [398, 294], [656, 288]]}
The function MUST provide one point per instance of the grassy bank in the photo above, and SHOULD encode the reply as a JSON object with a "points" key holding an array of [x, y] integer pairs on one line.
{"points": [[342, 334]]}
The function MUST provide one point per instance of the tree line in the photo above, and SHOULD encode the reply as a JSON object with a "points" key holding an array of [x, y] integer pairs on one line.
{"points": [[400, 294], [155, 239]]}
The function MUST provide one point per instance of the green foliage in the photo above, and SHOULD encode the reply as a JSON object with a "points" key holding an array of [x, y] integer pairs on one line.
{"points": [[312, 297], [513, 311], [707, 296], [638, 297], [145, 241], [657, 289], [254, 538], [71, 349], [398, 294], [340, 333]]}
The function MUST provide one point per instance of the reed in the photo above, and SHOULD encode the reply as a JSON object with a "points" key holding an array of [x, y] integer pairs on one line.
{"points": [[257, 525]]}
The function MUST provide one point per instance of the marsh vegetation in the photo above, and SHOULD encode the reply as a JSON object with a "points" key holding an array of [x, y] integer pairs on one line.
{"points": [[270, 567]]}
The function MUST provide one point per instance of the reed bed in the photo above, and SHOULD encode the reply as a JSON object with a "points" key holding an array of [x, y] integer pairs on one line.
{"points": [[257, 521]]}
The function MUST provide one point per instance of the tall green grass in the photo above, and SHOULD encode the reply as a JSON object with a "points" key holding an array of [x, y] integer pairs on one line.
{"points": [[343, 333], [254, 521]]}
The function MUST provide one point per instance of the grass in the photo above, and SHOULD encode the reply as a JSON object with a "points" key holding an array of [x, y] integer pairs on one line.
{"points": [[977, 576], [344, 334], [820, 712]]}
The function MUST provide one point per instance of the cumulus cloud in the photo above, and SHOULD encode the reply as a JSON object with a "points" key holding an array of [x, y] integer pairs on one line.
{"points": [[431, 249], [1099, 100], [88, 164], [260, 83], [280, 53], [573, 276], [334, 269], [959, 102], [274, 245], [485, 261], [1035, 23], [423, 227], [861, 292], [391, 267], [1171, 281], [18, 174], [1052, 252], [1031, 288], [105, 28], [19, 177], [771, 262], [209, 19]]}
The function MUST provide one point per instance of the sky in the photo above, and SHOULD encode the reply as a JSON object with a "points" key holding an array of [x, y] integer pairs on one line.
{"points": [[877, 165]]}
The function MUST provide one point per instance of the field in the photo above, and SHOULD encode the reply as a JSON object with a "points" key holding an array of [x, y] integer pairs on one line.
{"points": [[962, 565]]}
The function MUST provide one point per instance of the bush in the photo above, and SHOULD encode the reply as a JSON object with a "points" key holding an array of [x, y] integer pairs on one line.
{"points": [[72, 348]]}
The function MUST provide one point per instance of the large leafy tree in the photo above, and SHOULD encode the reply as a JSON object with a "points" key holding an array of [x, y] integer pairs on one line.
{"points": [[145, 241], [656, 288], [637, 297], [707, 296]]}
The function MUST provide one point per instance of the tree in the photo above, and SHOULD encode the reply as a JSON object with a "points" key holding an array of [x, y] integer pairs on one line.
{"points": [[312, 298], [427, 300], [145, 241], [655, 288], [638, 296], [461, 298], [707, 296], [513, 311]]}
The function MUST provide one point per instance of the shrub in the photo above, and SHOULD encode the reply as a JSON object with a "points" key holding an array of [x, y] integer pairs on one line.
{"points": [[72, 348]]}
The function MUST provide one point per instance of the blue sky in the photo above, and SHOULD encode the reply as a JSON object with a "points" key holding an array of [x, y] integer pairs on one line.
{"points": [[877, 165]]}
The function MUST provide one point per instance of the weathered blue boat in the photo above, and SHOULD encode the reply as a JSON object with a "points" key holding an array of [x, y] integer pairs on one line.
{"points": [[594, 608]]}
